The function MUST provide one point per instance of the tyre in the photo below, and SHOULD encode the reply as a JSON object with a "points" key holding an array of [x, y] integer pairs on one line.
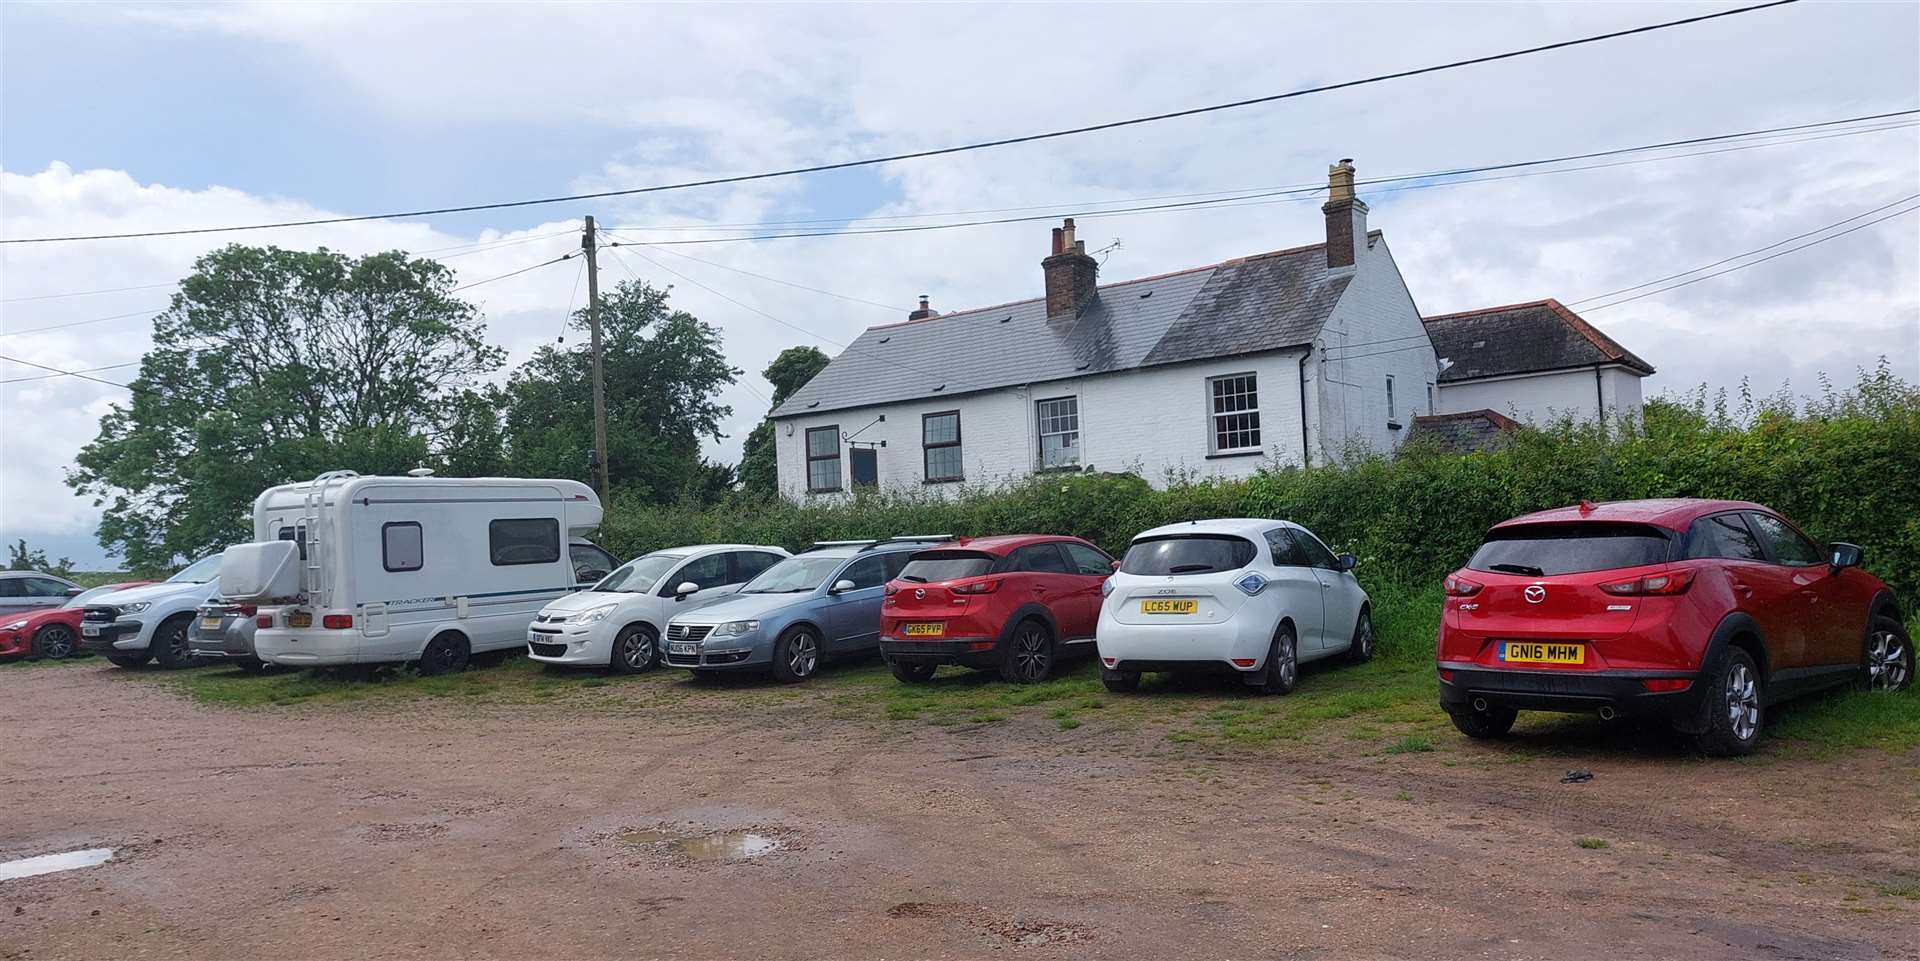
{"points": [[1029, 655], [636, 649], [446, 654], [796, 655], [1361, 650], [1283, 665], [1120, 682], [1732, 703], [912, 672], [130, 660], [55, 642], [1889, 656], [169, 644], [1494, 722]]}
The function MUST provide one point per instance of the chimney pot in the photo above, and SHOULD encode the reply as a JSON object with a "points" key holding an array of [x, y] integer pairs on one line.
{"points": [[924, 312], [1072, 276], [1346, 217]]}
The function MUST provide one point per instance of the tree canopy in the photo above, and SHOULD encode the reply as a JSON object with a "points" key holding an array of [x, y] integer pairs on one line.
{"points": [[759, 471], [22, 558]]}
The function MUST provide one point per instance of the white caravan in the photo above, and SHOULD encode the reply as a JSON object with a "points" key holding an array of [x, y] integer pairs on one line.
{"points": [[366, 570]]}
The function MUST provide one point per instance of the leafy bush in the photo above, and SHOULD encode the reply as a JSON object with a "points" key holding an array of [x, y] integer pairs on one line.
{"points": [[1845, 466]]}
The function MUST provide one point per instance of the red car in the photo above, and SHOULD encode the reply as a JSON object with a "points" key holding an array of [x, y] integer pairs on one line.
{"points": [[53, 633], [1700, 612], [1018, 604]]}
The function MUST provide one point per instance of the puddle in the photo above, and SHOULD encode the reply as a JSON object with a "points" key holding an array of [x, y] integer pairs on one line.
{"points": [[717, 846], [51, 863]]}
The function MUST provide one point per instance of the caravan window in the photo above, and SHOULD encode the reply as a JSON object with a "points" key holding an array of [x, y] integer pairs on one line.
{"points": [[531, 540], [400, 547], [297, 535]]}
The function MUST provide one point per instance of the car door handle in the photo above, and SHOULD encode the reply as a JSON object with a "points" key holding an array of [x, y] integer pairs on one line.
{"points": [[1325, 586], [1743, 588]]}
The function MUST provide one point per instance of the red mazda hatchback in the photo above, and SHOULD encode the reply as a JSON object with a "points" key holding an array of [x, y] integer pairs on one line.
{"points": [[1017, 604], [1700, 612]]}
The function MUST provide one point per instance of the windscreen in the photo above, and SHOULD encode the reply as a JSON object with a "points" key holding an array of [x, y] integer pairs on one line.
{"points": [[1188, 554], [199, 572], [639, 575], [930, 566], [794, 575], [1543, 550]]}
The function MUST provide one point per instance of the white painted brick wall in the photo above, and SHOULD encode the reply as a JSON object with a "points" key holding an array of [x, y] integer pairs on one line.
{"points": [[1375, 331], [1543, 398]]}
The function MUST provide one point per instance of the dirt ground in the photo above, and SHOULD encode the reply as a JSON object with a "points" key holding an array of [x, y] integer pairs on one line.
{"points": [[440, 830]]}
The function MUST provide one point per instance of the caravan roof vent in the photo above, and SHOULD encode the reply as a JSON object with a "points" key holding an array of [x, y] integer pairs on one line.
{"points": [[420, 472]]}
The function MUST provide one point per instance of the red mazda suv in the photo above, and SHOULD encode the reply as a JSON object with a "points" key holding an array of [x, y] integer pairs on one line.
{"points": [[1018, 604], [1700, 612]]}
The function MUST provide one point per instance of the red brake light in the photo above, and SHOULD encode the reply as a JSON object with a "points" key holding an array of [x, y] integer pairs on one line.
{"points": [[978, 587], [1460, 587], [248, 610], [1669, 582], [264, 620], [337, 622], [1662, 685], [891, 589]]}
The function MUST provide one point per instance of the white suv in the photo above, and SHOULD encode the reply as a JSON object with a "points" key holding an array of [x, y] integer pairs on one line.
{"points": [[140, 624], [616, 623], [1241, 596]]}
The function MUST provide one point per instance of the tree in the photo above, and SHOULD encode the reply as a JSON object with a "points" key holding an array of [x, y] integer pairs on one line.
{"points": [[19, 558], [759, 470], [271, 366], [663, 368]]}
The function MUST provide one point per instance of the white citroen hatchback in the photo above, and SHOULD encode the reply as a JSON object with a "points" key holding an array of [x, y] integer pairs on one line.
{"points": [[616, 624], [1244, 596]]}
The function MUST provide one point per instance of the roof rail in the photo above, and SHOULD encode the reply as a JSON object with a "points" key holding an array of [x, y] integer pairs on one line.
{"points": [[910, 539], [819, 545]]}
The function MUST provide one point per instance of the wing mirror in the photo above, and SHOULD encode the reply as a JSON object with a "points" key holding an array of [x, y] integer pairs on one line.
{"points": [[685, 588], [1346, 562], [841, 586], [1114, 565], [75, 591], [1843, 555]]}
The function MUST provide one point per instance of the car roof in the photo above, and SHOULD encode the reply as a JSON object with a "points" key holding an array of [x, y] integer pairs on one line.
{"points": [[17, 574], [1002, 544], [692, 549], [1242, 526], [1673, 513]]}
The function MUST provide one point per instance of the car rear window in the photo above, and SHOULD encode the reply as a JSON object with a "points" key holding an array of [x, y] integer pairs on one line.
{"points": [[930, 566], [1188, 554], [1542, 550]]}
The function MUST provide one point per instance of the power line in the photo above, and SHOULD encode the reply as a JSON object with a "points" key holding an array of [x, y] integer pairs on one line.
{"points": [[83, 293], [81, 323], [982, 145], [749, 273], [68, 373], [516, 273]]}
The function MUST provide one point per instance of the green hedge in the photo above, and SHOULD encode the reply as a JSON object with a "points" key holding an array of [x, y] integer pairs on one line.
{"points": [[1845, 467]]}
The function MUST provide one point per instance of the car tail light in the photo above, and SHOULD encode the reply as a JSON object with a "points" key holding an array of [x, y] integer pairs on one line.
{"points": [[264, 620], [337, 622], [891, 589], [248, 610], [1670, 582], [1460, 587], [1109, 661], [1446, 676], [1664, 685], [978, 587], [1242, 662], [980, 646]]}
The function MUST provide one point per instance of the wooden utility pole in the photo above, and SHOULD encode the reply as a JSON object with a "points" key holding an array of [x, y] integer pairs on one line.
{"points": [[599, 382]]}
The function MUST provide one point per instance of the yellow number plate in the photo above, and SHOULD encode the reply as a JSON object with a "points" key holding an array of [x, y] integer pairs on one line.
{"points": [[1544, 653], [300, 619], [1169, 607], [925, 630], [210, 623]]}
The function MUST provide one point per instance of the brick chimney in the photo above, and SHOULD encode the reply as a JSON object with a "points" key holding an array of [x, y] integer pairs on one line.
{"points": [[1071, 275], [1346, 217], [924, 312]]}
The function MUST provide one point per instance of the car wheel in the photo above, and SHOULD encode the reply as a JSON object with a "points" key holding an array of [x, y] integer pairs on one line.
{"points": [[130, 660], [1283, 665], [54, 642], [635, 650], [446, 654], [1889, 660], [1494, 722], [1734, 714], [1361, 650], [909, 672], [1029, 655], [1120, 682], [797, 655], [169, 645]]}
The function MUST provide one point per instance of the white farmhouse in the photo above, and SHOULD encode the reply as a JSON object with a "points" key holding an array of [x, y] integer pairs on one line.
{"points": [[1535, 362]]}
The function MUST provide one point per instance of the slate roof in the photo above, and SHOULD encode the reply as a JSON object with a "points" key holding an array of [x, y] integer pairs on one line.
{"points": [[1522, 339], [1465, 431], [1247, 305]]}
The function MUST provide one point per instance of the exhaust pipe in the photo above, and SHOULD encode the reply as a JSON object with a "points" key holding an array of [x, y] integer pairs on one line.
{"points": [[1607, 713], [1480, 705]]}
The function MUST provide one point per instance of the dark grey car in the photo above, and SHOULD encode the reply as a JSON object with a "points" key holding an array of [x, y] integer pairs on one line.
{"points": [[224, 632]]}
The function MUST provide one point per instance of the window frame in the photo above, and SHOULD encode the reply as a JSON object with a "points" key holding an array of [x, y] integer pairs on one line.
{"points": [[838, 468], [878, 560], [1106, 562], [735, 569], [1041, 433], [420, 533], [1215, 415], [559, 549], [1308, 540], [926, 449], [1017, 564], [1752, 517], [1698, 531], [1391, 414], [669, 585], [1282, 535]]}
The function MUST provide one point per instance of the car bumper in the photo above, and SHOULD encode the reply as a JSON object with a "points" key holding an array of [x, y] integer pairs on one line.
{"points": [[1238, 645], [306, 647], [728, 654], [114, 637], [223, 644], [584, 647], [14, 642], [1464, 686], [964, 651]]}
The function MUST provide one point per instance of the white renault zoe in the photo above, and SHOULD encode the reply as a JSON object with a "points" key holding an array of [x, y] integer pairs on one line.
{"points": [[1244, 596]]}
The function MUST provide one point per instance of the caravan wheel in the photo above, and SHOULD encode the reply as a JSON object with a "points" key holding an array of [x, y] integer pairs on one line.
{"points": [[446, 654]]}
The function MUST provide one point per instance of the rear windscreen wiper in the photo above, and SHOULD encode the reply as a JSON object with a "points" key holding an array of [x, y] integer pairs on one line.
{"points": [[1524, 570]]}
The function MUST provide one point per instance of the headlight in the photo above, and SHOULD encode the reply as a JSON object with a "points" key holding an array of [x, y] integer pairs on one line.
{"points": [[1106, 587], [16, 625], [595, 613], [1251, 584], [135, 607], [736, 628]]}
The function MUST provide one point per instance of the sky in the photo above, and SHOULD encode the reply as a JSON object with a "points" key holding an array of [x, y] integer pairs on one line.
{"points": [[124, 117]]}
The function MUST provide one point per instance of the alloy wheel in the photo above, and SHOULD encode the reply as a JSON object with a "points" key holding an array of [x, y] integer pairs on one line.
{"points": [[1366, 636], [1032, 655], [637, 650], [1887, 661], [56, 642], [1289, 664], [177, 644], [1743, 702], [803, 655]]}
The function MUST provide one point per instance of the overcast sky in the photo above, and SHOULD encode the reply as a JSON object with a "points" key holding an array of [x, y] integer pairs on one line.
{"points": [[128, 117]]}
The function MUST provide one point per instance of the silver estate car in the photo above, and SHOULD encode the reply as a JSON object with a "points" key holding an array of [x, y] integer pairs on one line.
{"points": [[224, 632]]}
